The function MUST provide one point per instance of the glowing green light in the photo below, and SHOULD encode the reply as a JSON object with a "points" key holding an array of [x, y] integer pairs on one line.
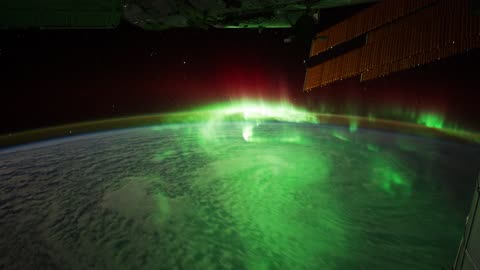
{"points": [[353, 125], [371, 117], [232, 189], [268, 180], [249, 112], [340, 136], [390, 178], [247, 132], [431, 120], [259, 110], [372, 147], [283, 134]]}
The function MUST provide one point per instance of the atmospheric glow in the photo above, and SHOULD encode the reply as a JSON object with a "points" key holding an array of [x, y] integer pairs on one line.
{"points": [[252, 114], [285, 198], [247, 132], [353, 125], [372, 147], [431, 120], [390, 178], [256, 112], [268, 174], [340, 136], [259, 110]]}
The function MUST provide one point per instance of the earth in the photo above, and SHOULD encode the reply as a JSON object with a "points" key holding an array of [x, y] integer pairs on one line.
{"points": [[235, 196]]}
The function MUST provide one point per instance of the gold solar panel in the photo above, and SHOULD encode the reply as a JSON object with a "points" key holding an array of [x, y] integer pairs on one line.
{"points": [[407, 39]]}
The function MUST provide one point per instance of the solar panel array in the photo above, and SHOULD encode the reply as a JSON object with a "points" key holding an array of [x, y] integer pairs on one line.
{"points": [[411, 35], [374, 17]]}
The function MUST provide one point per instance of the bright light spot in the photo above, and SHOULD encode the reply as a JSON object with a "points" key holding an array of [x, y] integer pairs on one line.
{"points": [[392, 182], [372, 147], [247, 132], [252, 114], [340, 136], [262, 111], [431, 120], [353, 125]]}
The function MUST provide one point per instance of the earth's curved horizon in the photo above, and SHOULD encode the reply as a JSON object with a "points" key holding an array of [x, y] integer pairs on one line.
{"points": [[247, 189], [202, 116]]}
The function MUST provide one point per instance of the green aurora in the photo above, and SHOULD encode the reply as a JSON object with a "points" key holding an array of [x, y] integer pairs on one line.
{"points": [[264, 185], [254, 112]]}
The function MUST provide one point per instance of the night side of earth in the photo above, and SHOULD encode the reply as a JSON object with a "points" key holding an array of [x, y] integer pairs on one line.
{"points": [[244, 186]]}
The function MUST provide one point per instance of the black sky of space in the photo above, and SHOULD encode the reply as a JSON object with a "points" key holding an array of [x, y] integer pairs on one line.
{"points": [[55, 77]]}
